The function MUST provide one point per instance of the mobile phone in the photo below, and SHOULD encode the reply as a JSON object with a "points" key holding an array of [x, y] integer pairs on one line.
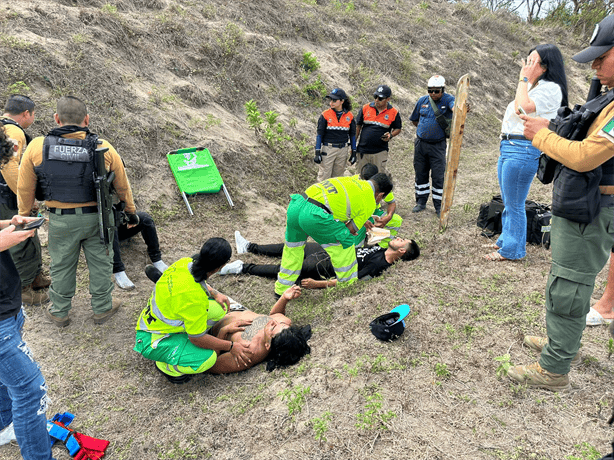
{"points": [[30, 225], [521, 110]]}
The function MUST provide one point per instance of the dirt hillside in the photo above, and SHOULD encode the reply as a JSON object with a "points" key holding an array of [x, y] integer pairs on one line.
{"points": [[158, 75]]}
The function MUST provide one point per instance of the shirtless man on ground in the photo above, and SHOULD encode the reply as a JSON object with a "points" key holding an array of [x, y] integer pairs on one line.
{"points": [[271, 337]]}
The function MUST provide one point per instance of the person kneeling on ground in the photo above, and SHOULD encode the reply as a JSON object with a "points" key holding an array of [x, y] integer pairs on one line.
{"points": [[129, 225], [317, 267], [182, 311]]}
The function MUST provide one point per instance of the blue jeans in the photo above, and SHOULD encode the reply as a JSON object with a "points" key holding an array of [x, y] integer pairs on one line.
{"points": [[516, 169], [23, 392]]}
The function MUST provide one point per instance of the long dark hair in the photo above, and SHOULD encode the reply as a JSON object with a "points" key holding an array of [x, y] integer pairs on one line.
{"points": [[555, 68], [213, 255], [347, 105], [288, 347], [6, 148]]}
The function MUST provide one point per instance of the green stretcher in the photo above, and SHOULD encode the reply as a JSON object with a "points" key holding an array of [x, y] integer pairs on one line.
{"points": [[196, 172]]}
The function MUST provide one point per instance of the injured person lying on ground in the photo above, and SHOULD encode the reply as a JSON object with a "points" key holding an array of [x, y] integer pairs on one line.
{"points": [[317, 271], [187, 328]]}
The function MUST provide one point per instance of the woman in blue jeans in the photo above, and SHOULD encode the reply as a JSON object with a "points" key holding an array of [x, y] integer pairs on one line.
{"points": [[541, 90]]}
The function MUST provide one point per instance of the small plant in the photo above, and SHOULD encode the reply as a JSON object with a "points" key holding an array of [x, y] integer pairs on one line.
{"points": [[504, 365], [587, 451], [309, 62], [109, 9], [610, 347], [441, 370], [254, 119], [19, 87], [316, 90], [373, 417], [320, 426], [296, 399]]}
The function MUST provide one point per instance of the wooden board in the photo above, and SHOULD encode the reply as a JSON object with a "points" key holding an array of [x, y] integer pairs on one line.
{"points": [[454, 148]]}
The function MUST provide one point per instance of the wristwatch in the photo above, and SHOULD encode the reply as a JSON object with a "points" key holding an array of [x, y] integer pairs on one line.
{"points": [[524, 79]]}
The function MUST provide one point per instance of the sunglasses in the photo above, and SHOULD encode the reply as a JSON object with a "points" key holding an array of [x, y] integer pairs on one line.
{"points": [[380, 98], [434, 91]]}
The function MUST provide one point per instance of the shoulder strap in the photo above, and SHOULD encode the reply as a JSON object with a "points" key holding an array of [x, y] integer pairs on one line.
{"points": [[9, 121], [443, 123]]}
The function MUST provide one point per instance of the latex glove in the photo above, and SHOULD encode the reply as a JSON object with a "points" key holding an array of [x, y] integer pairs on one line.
{"points": [[318, 158], [353, 157]]}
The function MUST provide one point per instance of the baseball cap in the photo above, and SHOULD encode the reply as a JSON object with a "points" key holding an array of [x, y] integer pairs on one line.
{"points": [[387, 327], [383, 91], [337, 94], [601, 41]]}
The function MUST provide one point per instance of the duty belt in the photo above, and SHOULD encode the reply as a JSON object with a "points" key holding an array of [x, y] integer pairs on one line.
{"points": [[84, 210], [512, 137], [317, 203], [336, 146]]}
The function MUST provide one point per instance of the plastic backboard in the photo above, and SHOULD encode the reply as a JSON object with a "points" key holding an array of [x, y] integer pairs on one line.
{"points": [[195, 171]]}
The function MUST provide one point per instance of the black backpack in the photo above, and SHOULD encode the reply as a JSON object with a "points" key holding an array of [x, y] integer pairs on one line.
{"points": [[489, 217], [538, 220]]}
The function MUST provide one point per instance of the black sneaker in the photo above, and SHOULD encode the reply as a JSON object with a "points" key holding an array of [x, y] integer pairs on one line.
{"points": [[179, 380], [419, 207]]}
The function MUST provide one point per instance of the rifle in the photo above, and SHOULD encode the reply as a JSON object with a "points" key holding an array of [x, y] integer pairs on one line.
{"points": [[102, 182], [595, 89]]}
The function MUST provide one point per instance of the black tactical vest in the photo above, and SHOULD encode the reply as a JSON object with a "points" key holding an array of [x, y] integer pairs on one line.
{"points": [[67, 171]]}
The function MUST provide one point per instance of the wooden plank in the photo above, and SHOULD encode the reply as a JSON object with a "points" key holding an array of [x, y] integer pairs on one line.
{"points": [[454, 148]]}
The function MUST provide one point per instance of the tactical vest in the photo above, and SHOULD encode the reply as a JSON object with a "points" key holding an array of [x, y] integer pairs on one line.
{"points": [[7, 197], [342, 124], [576, 195], [67, 171]]}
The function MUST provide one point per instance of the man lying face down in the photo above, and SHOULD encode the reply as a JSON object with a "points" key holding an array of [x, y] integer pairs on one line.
{"points": [[174, 329]]}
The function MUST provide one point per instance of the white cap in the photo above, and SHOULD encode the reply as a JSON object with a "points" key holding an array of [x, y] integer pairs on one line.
{"points": [[436, 81]]}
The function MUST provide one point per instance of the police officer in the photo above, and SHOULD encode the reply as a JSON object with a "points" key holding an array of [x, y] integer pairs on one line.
{"points": [[376, 124], [579, 250], [19, 113], [336, 126], [431, 114], [331, 212], [59, 169]]}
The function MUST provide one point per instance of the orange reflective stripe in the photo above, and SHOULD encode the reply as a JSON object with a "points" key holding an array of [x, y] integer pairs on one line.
{"points": [[384, 118]]}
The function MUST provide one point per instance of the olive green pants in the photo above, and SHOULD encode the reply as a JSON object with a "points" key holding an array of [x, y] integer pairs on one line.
{"points": [[67, 235], [27, 254], [579, 252]]}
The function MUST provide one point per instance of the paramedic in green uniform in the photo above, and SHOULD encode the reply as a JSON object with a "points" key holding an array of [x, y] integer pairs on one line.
{"points": [[331, 212], [173, 329]]}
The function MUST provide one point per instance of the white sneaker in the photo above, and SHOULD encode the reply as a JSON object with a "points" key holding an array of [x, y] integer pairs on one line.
{"points": [[123, 282], [160, 265], [234, 268], [7, 435], [242, 243]]}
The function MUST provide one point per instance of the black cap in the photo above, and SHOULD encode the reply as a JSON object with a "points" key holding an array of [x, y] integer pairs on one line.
{"points": [[337, 94], [601, 41], [387, 327], [382, 91]]}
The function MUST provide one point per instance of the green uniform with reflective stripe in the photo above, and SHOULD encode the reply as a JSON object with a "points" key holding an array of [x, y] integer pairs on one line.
{"points": [[178, 309], [349, 199], [394, 224]]}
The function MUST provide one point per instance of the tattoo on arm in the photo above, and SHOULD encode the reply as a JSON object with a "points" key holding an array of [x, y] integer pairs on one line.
{"points": [[256, 326]]}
